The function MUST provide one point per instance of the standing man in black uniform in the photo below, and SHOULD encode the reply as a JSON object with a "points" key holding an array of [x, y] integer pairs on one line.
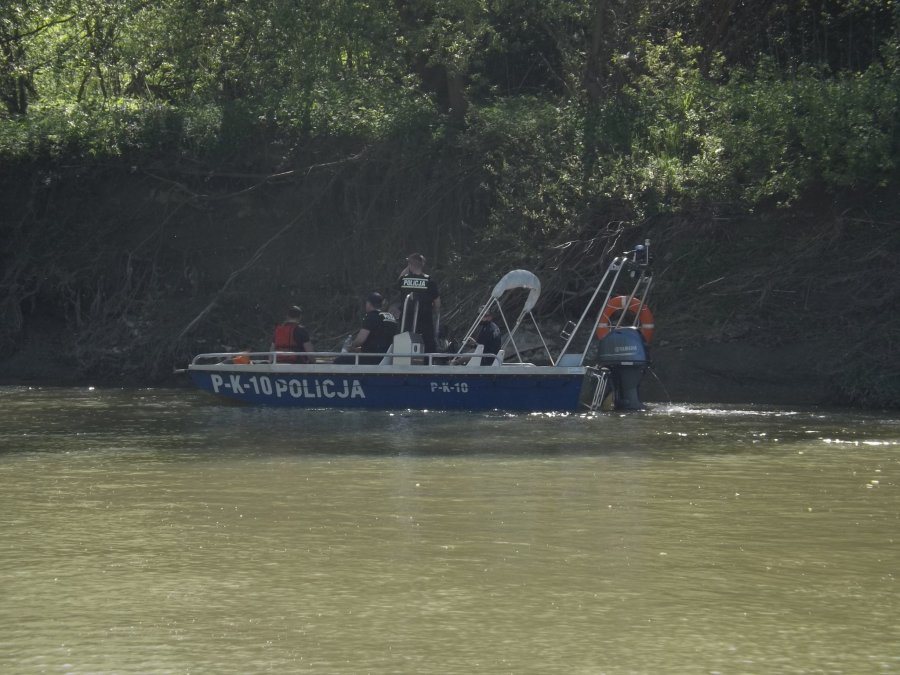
{"points": [[425, 294], [376, 335]]}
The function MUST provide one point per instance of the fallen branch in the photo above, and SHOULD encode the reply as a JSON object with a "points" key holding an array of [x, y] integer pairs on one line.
{"points": [[255, 258]]}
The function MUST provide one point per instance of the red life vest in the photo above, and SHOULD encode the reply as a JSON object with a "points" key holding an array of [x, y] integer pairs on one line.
{"points": [[285, 342], [284, 337]]}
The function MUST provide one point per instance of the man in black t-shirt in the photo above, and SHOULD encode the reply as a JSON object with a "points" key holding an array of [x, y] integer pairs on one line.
{"points": [[376, 335], [425, 294]]}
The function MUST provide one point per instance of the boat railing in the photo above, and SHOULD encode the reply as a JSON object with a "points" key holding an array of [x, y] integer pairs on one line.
{"points": [[410, 298], [328, 358], [636, 260]]}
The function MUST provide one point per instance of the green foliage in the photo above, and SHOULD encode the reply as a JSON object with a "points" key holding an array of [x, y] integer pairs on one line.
{"points": [[677, 127], [748, 138], [113, 130], [788, 135], [675, 148], [531, 162], [354, 110]]}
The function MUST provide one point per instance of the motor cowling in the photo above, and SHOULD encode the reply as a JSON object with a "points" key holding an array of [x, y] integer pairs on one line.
{"points": [[624, 353]]}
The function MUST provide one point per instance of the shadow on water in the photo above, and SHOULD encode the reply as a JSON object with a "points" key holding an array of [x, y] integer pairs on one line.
{"points": [[190, 425]]}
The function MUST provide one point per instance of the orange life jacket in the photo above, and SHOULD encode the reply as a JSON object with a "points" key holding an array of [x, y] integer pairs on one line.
{"points": [[284, 337], [285, 342]]}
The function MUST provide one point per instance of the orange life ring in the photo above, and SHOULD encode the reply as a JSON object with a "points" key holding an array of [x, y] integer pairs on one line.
{"points": [[617, 304]]}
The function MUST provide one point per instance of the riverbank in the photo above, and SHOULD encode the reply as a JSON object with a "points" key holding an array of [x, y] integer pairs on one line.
{"points": [[124, 277], [160, 202], [686, 368]]}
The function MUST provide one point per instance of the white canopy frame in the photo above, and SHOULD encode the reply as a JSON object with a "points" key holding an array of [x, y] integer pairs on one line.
{"points": [[516, 279]]}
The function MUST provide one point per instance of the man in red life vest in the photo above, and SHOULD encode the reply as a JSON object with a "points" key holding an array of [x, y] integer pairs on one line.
{"points": [[290, 336]]}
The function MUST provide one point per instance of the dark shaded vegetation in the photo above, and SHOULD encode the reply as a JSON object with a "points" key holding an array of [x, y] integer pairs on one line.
{"points": [[172, 175]]}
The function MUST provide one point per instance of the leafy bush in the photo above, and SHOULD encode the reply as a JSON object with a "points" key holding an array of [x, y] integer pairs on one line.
{"points": [[748, 138], [785, 135], [116, 129], [530, 154], [363, 109]]}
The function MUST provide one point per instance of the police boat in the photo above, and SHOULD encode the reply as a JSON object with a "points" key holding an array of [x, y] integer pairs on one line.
{"points": [[603, 357]]}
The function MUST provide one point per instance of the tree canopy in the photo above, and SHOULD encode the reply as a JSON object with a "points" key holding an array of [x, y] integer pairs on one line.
{"points": [[276, 53], [660, 93]]}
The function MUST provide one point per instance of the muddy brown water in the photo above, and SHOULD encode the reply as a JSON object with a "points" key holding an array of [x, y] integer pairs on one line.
{"points": [[160, 531]]}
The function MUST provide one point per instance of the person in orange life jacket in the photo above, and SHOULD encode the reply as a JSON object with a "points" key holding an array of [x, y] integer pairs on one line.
{"points": [[376, 335], [290, 336], [426, 295], [243, 358]]}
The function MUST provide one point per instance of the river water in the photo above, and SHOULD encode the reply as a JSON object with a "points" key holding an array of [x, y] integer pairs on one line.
{"points": [[159, 531]]}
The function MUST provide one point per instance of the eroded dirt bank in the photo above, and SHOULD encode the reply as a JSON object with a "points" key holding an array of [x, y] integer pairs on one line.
{"points": [[116, 277]]}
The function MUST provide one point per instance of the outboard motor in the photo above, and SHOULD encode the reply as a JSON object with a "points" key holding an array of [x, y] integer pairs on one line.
{"points": [[623, 351]]}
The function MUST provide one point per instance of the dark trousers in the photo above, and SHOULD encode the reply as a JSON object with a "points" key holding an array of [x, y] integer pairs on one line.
{"points": [[425, 328]]}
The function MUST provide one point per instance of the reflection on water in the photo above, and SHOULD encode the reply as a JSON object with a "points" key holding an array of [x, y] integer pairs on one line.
{"points": [[161, 531]]}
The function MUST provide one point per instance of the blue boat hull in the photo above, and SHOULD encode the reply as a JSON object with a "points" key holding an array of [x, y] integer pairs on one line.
{"points": [[545, 392]]}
